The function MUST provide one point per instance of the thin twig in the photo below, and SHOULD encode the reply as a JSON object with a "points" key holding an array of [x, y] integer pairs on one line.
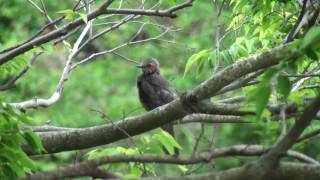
{"points": [[197, 142], [12, 82], [95, 55]]}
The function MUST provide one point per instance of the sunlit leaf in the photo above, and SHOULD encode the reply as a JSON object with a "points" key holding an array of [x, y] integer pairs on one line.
{"points": [[262, 96], [312, 38], [195, 58], [70, 14], [167, 141], [283, 86], [34, 141], [183, 168], [84, 17]]}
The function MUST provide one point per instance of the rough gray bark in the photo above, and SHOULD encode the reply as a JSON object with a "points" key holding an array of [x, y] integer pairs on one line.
{"points": [[85, 168], [105, 134], [285, 171]]}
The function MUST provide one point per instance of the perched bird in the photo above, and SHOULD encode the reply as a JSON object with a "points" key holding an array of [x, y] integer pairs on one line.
{"points": [[154, 90]]}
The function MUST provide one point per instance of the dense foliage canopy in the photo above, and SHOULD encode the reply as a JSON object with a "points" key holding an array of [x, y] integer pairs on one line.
{"points": [[247, 73]]}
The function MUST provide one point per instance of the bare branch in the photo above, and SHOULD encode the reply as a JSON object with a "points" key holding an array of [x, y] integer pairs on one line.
{"points": [[315, 86], [197, 142], [309, 135], [240, 83], [294, 31], [207, 118], [34, 103], [74, 24], [303, 75], [177, 109], [84, 168], [232, 100], [95, 55], [47, 128], [266, 163], [292, 171]]}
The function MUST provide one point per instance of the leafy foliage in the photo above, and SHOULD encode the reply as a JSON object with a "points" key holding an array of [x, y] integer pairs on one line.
{"points": [[148, 144], [108, 85], [14, 162]]}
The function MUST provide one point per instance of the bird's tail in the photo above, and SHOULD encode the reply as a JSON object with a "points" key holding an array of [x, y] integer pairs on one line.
{"points": [[170, 129]]}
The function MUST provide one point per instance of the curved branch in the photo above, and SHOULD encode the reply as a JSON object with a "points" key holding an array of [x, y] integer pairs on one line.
{"points": [[208, 118], [34, 103], [177, 109], [267, 162], [86, 167], [292, 171]]}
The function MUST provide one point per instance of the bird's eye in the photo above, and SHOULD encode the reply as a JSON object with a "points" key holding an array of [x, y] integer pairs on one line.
{"points": [[149, 65]]}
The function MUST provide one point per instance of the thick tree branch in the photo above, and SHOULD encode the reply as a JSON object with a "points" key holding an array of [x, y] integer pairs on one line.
{"points": [[47, 128], [241, 68], [240, 83], [237, 99], [177, 109], [292, 171], [269, 161], [86, 167], [297, 26], [309, 135], [207, 118]]}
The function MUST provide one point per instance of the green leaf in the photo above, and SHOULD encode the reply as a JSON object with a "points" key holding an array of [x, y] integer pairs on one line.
{"points": [[171, 140], [17, 169], [9, 172], [84, 17], [34, 141], [167, 2], [212, 60], [311, 54], [167, 141], [25, 160], [183, 168], [270, 73], [127, 151], [262, 96], [195, 58], [135, 171], [95, 154], [70, 14], [312, 38], [283, 86], [18, 156]]}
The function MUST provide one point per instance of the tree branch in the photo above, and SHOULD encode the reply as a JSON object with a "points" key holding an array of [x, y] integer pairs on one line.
{"points": [[86, 167], [34, 103], [74, 24], [177, 109], [292, 171], [267, 162], [207, 118]]}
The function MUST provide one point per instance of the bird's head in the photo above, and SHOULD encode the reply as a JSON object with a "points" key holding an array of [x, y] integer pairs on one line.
{"points": [[149, 66]]}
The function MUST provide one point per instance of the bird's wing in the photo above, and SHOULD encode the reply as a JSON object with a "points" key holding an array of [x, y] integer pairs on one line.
{"points": [[148, 94], [164, 90]]}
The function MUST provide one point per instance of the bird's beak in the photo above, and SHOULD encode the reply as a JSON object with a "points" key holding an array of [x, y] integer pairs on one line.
{"points": [[139, 66]]}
